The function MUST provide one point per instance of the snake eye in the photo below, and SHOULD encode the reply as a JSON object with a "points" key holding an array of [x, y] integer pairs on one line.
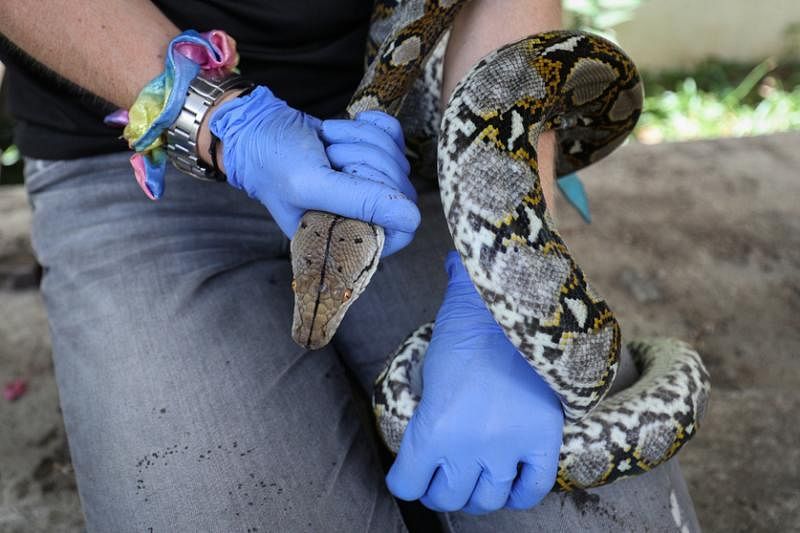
{"points": [[348, 293], [294, 284]]}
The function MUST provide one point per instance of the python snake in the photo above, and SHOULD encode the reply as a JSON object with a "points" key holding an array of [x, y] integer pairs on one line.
{"points": [[589, 92]]}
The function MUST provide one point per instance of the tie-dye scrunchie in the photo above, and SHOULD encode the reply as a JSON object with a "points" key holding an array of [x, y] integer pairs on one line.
{"points": [[159, 103]]}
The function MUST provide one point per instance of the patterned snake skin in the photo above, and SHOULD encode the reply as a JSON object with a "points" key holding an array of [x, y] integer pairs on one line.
{"points": [[588, 91]]}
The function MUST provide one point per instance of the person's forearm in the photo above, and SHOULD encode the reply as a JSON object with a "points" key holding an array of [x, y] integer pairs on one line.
{"points": [[485, 25], [111, 48]]}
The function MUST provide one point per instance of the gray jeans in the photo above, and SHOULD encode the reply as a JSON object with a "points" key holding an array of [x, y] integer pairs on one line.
{"points": [[186, 403]]}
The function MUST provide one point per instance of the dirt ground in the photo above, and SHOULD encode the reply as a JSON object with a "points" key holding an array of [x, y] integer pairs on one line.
{"points": [[694, 240]]}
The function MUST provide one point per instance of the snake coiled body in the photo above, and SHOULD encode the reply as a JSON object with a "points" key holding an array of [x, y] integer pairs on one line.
{"points": [[588, 91]]}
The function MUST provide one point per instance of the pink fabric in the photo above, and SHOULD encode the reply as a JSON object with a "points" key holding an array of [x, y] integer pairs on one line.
{"points": [[140, 172], [223, 44], [15, 389], [156, 106]]}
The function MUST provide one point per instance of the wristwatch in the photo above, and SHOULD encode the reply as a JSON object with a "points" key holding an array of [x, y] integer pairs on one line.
{"points": [[204, 91]]}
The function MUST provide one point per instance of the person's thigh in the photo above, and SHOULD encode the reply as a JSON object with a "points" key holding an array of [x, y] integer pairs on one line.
{"points": [[187, 405], [407, 291]]}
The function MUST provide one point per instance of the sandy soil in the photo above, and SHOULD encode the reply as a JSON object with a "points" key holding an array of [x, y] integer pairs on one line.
{"points": [[702, 241], [696, 240]]}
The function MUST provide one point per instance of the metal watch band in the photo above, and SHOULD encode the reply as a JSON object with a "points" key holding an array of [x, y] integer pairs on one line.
{"points": [[182, 134]]}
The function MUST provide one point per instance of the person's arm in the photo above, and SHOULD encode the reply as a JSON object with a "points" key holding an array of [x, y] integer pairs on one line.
{"points": [[485, 25], [111, 48]]}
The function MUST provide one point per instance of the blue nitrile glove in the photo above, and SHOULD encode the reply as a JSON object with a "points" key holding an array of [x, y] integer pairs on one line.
{"points": [[483, 412], [373, 147], [275, 154]]}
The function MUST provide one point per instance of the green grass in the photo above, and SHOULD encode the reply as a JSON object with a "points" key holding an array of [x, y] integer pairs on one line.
{"points": [[720, 99]]}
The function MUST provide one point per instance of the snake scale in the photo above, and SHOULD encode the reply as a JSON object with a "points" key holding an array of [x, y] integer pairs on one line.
{"points": [[589, 92]]}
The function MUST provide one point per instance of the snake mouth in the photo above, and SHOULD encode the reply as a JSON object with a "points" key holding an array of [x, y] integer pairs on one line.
{"points": [[310, 338], [319, 341], [311, 345], [312, 330], [312, 341]]}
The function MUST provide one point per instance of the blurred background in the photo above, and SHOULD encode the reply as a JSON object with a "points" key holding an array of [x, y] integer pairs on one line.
{"points": [[711, 69], [696, 234]]}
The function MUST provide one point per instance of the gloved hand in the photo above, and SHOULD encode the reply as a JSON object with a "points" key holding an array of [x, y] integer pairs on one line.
{"points": [[372, 146], [275, 154], [487, 431]]}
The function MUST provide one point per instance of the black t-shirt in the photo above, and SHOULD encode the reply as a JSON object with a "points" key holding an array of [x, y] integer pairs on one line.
{"points": [[308, 52]]}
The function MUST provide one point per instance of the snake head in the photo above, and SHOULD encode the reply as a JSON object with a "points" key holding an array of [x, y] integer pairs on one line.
{"points": [[333, 260]]}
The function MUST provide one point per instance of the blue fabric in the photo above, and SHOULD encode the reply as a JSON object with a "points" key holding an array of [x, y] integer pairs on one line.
{"points": [[184, 71], [167, 93], [572, 189]]}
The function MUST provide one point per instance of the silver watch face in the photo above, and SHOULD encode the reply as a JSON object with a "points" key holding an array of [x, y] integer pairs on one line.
{"points": [[181, 143]]}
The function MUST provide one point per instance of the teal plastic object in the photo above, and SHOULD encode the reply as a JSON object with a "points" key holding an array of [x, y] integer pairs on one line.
{"points": [[572, 189]]}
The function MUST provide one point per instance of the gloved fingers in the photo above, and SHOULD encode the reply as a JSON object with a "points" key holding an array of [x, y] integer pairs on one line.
{"points": [[411, 472], [491, 493], [365, 171], [533, 483], [342, 194], [387, 123], [341, 131], [451, 488], [341, 155], [396, 241]]}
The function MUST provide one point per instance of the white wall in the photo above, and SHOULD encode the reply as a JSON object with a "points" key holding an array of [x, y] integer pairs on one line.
{"points": [[679, 33]]}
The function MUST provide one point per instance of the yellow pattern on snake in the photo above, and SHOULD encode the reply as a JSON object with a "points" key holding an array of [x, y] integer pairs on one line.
{"points": [[588, 91]]}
